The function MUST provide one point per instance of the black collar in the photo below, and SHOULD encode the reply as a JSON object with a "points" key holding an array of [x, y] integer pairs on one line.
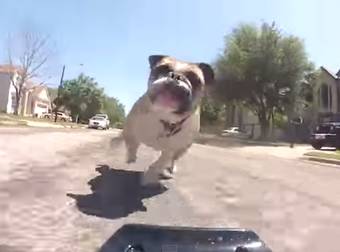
{"points": [[172, 128]]}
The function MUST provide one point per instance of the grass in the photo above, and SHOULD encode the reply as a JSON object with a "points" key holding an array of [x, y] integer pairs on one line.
{"points": [[335, 155], [13, 120]]}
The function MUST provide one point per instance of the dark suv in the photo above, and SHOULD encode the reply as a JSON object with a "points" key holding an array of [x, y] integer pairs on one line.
{"points": [[326, 135]]}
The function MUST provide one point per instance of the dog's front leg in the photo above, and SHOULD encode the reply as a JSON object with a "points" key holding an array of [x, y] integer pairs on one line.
{"points": [[171, 170], [156, 169], [132, 145]]}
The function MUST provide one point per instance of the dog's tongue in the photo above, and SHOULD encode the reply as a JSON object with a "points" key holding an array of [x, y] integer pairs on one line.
{"points": [[167, 100]]}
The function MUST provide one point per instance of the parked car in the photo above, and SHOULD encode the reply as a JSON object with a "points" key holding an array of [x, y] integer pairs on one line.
{"points": [[106, 118], [98, 122], [234, 131], [326, 135], [61, 116]]}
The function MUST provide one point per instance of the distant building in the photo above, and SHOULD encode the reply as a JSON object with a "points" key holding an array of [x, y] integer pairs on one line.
{"points": [[327, 93], [35, 98]]}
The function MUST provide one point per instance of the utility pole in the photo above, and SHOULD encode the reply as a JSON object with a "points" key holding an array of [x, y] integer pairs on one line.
{"points": [[59, 91]]}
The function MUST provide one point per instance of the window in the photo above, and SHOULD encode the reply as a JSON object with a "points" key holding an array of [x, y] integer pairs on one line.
{"points": [[338, 90], [330, 98], [324, 95]]}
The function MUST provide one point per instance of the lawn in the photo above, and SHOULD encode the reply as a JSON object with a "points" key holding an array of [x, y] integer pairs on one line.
{"points": [[321, 154], [9, 120]]}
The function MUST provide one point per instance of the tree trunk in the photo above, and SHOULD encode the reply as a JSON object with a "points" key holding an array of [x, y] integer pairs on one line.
{"points": [[240, 117], [264, 124], [273, 137], [17, 104], [229, 114], [264, 129], [18, 90]]}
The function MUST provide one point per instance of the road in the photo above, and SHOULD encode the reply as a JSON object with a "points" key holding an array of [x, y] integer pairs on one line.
{"points": [[67, 190]]}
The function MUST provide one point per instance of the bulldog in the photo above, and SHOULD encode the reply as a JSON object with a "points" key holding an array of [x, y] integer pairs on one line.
{"points": [[166, 117]]}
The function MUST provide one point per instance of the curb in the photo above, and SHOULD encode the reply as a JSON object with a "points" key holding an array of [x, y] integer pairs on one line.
{"points": [[13, 123], [322, 160], [210, 139]]}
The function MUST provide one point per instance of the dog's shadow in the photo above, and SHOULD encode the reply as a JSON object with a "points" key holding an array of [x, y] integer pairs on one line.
{"points": [[115, 193]]}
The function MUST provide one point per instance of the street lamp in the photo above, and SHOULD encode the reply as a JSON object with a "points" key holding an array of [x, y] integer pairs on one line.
{"points": [[59, 91]]}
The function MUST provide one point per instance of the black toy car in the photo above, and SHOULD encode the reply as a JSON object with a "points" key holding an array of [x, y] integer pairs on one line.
{"points": [[148, 238], [326, 135]]}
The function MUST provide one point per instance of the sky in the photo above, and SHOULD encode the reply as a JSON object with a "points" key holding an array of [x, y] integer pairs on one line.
{"points": [[111, 40]]}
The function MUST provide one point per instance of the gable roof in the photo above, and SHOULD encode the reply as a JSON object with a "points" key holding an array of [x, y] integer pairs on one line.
{"points": [[7, 68], [334, 76], [38, 89]]}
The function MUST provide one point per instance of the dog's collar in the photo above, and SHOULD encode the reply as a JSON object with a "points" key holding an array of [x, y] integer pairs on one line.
{"points": [[172, 128]]}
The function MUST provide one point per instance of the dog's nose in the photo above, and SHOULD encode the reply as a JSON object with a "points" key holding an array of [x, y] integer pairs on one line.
{"points": [[175, 76]]}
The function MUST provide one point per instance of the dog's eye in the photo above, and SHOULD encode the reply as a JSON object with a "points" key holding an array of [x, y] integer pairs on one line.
{"points": [[162, 70], [194, 79]]}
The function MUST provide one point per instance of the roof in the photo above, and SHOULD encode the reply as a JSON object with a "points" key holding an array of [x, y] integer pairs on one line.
{"points": [[30, 84], [7, 68], [38, 88], [329, 72]]}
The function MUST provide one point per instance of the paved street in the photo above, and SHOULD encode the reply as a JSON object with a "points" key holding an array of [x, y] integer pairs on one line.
{"points": [[68, 190]]}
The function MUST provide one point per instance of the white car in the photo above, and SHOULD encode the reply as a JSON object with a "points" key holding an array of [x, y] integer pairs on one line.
{"points": [[60, 116], [106, 118], [233, 131], [98, 122]]}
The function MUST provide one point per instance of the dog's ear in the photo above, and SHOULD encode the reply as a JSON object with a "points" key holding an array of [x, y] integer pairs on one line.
{"points": [[208, 73], [154, 59]]}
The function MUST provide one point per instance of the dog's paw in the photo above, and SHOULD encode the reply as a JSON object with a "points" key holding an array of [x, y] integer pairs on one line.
{"points": [[173, 169], [131, 160], [150, 178], [166, 174]]}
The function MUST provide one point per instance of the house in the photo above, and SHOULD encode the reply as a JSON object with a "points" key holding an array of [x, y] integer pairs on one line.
{"points": [[327, 93], [37, 101], [326, 107], [35, 98]]}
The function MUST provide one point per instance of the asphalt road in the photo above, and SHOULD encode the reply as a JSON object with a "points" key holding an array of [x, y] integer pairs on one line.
{"points": [[69, 190]]}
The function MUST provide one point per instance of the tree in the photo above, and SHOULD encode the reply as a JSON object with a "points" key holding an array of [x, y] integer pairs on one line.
{"points": [[53, 92], [263, 69], [27, 54], [82, 97], [210, 111], [115, 111]]}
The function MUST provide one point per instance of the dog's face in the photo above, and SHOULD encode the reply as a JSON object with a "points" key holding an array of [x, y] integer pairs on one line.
{"points": [[177, 86]]}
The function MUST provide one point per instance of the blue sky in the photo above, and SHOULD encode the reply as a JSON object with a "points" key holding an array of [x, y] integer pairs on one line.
{"points": [[112, 39]]}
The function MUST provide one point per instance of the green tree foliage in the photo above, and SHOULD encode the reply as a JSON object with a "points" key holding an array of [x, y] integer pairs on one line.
{"points": [[53, 93], [264, 69], [210, 111], [115, 110], [82, 97]]}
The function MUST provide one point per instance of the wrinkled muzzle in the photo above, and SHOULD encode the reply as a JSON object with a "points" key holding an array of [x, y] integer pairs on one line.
{"points": [[171, 93]]}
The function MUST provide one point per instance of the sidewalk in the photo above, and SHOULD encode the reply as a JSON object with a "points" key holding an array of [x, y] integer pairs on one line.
{"points": [[212, 139], [278, 149]]}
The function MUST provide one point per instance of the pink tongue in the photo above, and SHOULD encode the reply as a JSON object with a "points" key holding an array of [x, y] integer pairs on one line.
{"points": [[167, 100]]}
